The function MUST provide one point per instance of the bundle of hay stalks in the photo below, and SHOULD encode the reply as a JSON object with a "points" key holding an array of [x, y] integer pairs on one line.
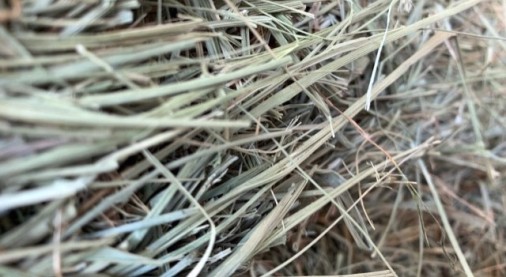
{"points": [[252, 138]]}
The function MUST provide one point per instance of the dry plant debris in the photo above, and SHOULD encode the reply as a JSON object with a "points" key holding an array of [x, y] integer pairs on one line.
{"points": [[252, 138]]}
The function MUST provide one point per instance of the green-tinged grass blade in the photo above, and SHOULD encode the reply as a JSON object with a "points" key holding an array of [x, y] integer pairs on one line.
{"points": [[261, 231], [172, 89]]}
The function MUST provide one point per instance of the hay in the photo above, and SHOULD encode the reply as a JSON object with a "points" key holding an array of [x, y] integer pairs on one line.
{"points": [[217, 138]]}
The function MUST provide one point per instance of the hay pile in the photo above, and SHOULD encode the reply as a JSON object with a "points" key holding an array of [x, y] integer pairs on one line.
{"points": [[217, 138]]}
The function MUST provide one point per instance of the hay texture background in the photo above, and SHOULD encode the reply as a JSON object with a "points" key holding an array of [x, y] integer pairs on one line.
{"points": [[252, 138]]}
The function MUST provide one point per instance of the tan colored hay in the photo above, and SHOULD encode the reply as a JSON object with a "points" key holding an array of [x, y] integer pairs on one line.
{"points": [[168, 138]]}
